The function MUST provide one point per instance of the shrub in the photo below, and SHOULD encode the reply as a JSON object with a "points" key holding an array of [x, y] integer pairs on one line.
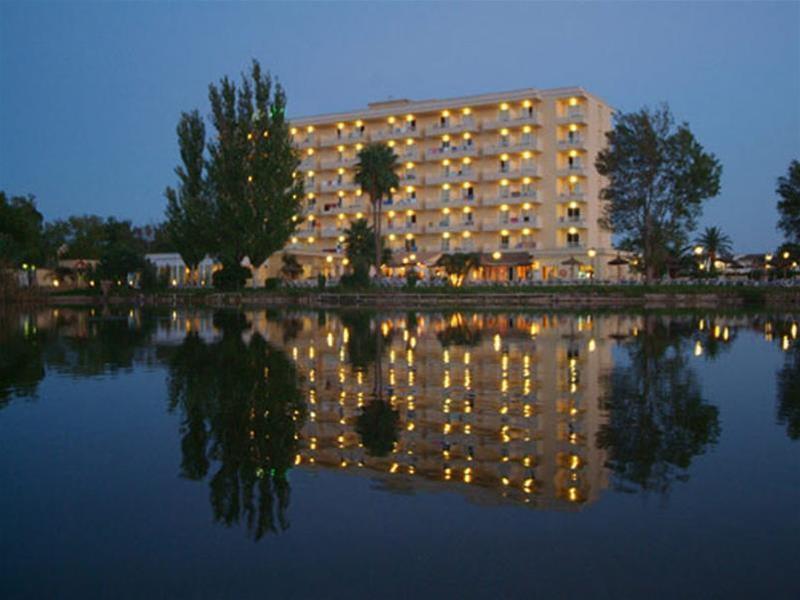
{"points": [[230, 277], [272, 283]]}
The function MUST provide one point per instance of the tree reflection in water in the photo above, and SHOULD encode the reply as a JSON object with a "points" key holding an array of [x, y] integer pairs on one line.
{"points": [[21, 359], [788, 377], [658, 420], [378, 424], [242, 412]]}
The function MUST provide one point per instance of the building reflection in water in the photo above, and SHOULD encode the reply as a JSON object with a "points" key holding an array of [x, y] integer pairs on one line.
{"points": [[502, 408]]}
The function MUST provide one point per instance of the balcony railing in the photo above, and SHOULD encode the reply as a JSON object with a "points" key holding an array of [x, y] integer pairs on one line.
{"points": [[308, 164], [513, 223], [390, 133], [576, 195], [451, 152], [575, 169], [513, 198], [511, 173], [452, 127], [531, 145], [566, 220], [456, 202], [513, 121], [307, 142], [335, 186], [336, 163], [575, 142], [573, 116], [452, 177]]}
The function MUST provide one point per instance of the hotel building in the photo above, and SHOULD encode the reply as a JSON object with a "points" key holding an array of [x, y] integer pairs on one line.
{"points": [[510, 175]]}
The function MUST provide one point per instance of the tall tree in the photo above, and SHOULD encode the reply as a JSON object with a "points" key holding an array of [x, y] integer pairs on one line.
{"points": [[715, 243], [189, 217], [21, 234], [789, 205], [658, 177], [252, 175], [375, 173]]}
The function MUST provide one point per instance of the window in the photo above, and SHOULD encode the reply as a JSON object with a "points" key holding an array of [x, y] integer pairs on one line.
{"points": [[504, 191], [505, 240], [411, 245], [446, 243], [468, 193], [504, 165], [527, 189], [574, 213], [445, 194], [573, 239]]}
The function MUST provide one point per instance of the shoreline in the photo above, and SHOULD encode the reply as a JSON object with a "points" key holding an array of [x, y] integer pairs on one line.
{"points": [[540, 299]]}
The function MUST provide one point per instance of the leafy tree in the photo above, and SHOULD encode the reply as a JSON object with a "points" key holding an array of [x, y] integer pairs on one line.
{"points": [[715, 243], [21, 234], [291, 268], [189, 223], [253, 185], [789, 205], [375, 173], [658, 177], [458, 265], [658, 420]]}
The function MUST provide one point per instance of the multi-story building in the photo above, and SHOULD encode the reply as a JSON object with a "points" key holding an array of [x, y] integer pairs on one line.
{"points": [[510, 175]]}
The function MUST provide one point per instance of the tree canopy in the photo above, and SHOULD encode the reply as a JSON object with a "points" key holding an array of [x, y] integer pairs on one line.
{"points": [[788, 189], [21, 233], [658, 177]]}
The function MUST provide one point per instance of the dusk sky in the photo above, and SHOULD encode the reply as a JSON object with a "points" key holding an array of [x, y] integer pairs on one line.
{"points": [[90, 93]]}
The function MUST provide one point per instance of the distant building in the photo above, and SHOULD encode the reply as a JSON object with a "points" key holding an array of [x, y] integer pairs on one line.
{"points": [[172, 263]]}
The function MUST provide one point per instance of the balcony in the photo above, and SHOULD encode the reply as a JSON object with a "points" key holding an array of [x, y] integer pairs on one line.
{"points": [[578, 169], [452, 127], [459, 226], [337, 163], [573, 116], [310, 141], [511, 173], [409, 153], [333, 208], [576, 143], [513, 198], [308, 164], [576, 195], [451, 152], [575, 245], [570, 221], [401, 203], [335, 186], [513, 224], [453, 177], [391, 133], [531, 145], [455, 203], [515, 121]]}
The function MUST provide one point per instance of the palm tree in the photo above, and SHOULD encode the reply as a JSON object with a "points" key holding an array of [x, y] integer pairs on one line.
{"points": [[715, 244], [375, 173]]}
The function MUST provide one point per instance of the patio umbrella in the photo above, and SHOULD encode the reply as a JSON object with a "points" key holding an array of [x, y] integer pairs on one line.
{"points": [[571, 262], [618, 262]]}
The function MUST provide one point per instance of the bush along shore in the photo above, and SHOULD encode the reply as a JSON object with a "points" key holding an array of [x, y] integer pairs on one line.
{"points": [[589, 296]]}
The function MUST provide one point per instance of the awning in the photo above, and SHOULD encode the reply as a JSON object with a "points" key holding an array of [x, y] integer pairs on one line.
{"points": [[505, 259]]}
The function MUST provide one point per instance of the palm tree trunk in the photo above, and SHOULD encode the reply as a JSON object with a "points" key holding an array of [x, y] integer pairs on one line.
{"points": [[377, 228]]}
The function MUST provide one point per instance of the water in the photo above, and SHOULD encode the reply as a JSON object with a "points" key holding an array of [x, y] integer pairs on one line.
{"points": [[200, 454]]}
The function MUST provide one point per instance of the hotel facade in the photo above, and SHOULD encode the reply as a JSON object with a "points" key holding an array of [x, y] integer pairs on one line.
{"points": [[508, 175]]}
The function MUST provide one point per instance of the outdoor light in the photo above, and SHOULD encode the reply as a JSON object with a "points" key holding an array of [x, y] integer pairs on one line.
{"points": [[768, 257], [329, 259], [504, 106], [592, 253], [466, 110], [786, 255], [496, 255]]}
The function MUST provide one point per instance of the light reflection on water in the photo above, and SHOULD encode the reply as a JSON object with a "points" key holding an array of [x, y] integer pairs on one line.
{"points": [[546, 411]]}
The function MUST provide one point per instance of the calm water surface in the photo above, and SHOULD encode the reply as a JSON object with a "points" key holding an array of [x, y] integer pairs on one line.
{"points": [[394, 455]]}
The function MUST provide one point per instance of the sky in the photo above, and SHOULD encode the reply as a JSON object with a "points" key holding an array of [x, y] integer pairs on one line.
{"points": [[90, 93]]}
